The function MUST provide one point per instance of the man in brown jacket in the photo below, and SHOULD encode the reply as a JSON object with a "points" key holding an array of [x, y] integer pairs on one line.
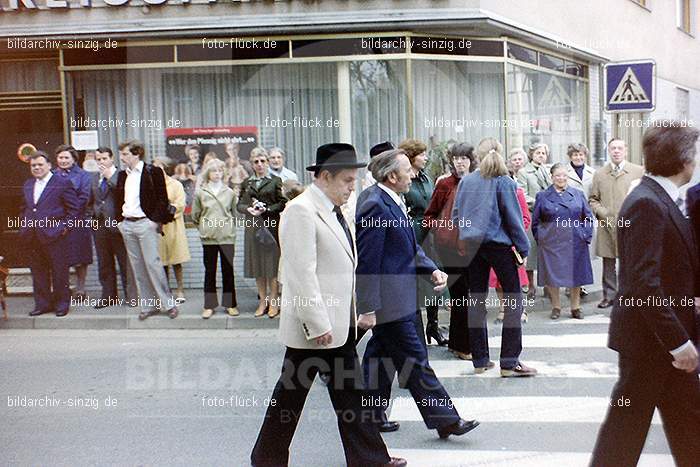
{"points": [[608, 190]]}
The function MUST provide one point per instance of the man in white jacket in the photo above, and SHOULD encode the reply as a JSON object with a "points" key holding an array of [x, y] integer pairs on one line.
{"points": [[318, 323]]}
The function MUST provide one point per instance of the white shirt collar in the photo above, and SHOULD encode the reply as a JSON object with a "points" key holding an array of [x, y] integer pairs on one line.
{"points": [[394, 195], [137, 168], [45, 178], [325, 200], [621, 166], [668, 186]]}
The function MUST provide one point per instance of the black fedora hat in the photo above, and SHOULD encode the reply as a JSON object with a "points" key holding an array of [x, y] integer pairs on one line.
{"points": [[338, 155], [380, 148]]}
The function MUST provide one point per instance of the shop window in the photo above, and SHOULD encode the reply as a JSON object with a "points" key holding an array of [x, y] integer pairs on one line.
{"points": [[545, 107], [379, 102], [457, 101], [522, 53]]}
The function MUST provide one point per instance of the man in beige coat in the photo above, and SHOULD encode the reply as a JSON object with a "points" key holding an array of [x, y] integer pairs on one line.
{"points": [[608, 190], [318, 323]]}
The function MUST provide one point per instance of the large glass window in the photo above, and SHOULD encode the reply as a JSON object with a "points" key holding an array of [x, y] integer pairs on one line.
{"points": [[545, 107], [285, 102], [459, 101], [379, 98]]}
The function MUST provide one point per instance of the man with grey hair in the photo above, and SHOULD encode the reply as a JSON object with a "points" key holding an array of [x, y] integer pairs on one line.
{"points": [[608, 190], [655, 322], [388, 260], [277, 168]]}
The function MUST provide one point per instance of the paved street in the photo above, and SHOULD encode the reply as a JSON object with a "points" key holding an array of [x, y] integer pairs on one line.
{"points": [[196, 397]]}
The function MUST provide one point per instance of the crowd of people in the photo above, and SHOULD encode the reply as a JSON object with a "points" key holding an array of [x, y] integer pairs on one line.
{"points": [[562, 208], [408, 242]]}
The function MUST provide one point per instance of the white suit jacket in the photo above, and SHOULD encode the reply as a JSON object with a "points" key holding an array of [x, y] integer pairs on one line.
{"points": [[317, 270]]}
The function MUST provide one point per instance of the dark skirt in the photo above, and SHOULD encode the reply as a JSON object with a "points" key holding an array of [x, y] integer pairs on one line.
{"points": [[79, 241], [260, 261]]}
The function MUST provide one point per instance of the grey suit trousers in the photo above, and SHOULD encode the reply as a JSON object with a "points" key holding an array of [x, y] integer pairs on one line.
{"points": [[141, 242]]}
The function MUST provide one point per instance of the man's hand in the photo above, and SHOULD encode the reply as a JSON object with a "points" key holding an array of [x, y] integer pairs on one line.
{"points": [[367, 322], [686, 360], [439, 278], [326, 339]]}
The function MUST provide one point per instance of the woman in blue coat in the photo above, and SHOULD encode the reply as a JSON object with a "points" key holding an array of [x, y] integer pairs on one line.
{"points": [[562, 224], [79, 235]]}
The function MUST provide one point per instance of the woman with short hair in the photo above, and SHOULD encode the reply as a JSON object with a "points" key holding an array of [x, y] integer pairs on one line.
{"points": [[262, 201], [438, 218], [533, 178], [79, 235], [562, 224]]}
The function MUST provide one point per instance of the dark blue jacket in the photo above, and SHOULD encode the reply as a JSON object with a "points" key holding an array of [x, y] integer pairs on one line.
{"points": [[388, 258], [57, 206]]}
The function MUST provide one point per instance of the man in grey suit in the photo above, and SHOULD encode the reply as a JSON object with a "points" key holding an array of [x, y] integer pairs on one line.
{"points": [[108, 240]]}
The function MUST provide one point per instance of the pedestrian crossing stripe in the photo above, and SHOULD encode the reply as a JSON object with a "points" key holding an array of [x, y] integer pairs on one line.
{"points": [[526, 409], [629, 90], [594, 370], [511, 458], [548, 341]]}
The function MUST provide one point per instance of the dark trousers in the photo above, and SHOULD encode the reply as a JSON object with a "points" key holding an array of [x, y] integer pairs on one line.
{"points": [[228, 298], [643, 385], [500, 258], [110, 245], [458, 284], [50, 279], [340, 369], [396, 347]]}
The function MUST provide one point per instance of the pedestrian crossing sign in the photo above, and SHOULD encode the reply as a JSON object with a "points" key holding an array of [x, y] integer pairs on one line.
{"points": [[630, 86]]}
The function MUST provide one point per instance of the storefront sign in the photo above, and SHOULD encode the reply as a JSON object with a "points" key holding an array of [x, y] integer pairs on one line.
{"points": [[210, 139], [13, 5]]}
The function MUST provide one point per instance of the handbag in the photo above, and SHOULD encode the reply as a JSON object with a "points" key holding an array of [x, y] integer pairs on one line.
{"points": [[264, 237]]}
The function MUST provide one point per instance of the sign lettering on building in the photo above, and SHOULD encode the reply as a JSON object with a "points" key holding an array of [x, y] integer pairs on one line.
{"points": [[19, 5]]}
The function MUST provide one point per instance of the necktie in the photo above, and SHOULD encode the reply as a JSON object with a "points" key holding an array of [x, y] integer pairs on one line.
{"points": [[344, 225], [681, 204], [103, 186]]}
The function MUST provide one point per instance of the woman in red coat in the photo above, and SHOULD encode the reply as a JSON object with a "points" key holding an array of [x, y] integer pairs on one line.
{"points": [[438, 218], [522, 274]]}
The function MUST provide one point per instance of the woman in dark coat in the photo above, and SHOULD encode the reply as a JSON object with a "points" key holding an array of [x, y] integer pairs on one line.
{"points": [[261, 201], [438, 217], [417, 200], [562, 225], [79, 235]]}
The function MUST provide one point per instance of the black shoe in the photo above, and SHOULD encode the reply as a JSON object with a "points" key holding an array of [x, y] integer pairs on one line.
{"points": [[604, 303], [458, 428], [38, 312], [432, 331], [388, 427], [61, 313], [146, 314]]}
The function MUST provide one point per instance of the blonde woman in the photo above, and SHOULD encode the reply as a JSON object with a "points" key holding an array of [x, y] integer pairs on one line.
{"points": [[173, 248], [213, 214], [491, 229]]}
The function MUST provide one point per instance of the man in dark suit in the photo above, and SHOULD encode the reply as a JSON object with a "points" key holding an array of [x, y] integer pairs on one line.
{"points": [[142, 208], [108, 241], [692, 202], [50, 207], [654, 322], [388, 260]]}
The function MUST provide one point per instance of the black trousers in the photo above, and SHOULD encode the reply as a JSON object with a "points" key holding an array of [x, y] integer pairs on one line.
{"points": [[458, 284], [340, 370], [49, 266], [228, 298], [645, 384], [110, 245], [500, 258]]}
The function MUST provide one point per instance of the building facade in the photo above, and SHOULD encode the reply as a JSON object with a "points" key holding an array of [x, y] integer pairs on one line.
{"points": [[305, 73]]}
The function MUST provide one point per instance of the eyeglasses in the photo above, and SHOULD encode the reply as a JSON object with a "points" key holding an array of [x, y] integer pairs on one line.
{"points": [[261, 161]]}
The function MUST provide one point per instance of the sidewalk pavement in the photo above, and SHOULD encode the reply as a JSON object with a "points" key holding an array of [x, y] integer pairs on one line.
{"points": [[124, 317]]}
